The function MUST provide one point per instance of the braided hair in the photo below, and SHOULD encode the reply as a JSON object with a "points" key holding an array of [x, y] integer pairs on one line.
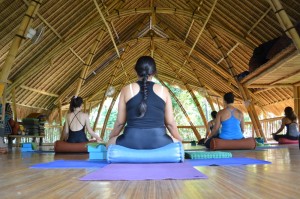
{"points": [[75, 103], [289, 113], [145, 67]]}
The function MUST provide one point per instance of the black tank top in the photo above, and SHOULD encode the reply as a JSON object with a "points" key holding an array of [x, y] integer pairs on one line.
{"points": [[155, 114]]}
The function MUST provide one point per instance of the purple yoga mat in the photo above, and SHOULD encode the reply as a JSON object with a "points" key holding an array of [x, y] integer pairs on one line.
{"points": [[158, 171]]}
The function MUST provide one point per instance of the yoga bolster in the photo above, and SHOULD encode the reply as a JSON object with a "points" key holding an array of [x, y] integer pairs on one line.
{"points": [[220, 144], [287, 141], [170, 153], [66, 147]]}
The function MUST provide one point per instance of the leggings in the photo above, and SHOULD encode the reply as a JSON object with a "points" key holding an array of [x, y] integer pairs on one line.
{"points": [[276, 137], [138, 138]]}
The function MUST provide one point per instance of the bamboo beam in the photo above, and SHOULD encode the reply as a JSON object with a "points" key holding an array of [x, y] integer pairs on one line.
{"points": [[88, 62], [39, 91], [60, 121], [285, 22], [296, 92], [203, 26], [153, 14], [107, 27], [192, 23], [14, 105], [270, 86], [198, 136], [243, 90], [116, 94], [16, 43]]}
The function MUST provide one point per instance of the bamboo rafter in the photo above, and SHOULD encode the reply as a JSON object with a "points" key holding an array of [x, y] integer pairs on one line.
{"points": [[95, 24]]}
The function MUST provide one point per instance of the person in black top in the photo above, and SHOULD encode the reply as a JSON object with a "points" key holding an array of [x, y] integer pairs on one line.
{"points": [[146, 109], [75, 124]]}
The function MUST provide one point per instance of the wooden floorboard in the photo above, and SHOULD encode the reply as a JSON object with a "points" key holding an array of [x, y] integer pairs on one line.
{"points": [[281, 179]]}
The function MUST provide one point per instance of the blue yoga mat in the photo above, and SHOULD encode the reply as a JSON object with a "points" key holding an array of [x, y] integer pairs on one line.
{"points": [[70, 164], [226, 162]]}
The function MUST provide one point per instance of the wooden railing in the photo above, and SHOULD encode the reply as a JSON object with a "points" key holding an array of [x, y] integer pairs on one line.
{"points": [[269, 126]]}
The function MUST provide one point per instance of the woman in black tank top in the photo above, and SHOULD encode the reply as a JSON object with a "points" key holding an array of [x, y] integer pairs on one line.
{"points": [[146, 109], [79, 120]]}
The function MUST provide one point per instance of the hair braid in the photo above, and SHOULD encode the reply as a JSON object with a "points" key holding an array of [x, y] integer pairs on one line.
{"points": [[143, 104]]}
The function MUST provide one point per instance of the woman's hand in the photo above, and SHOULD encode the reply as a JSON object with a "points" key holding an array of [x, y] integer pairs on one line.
{"points": [[99, 139]]}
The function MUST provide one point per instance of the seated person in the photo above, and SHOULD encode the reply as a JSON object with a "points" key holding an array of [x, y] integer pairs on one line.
{"points": [[290, 121], [146, 109], [75, 124], [232, 121], [210, 126]]}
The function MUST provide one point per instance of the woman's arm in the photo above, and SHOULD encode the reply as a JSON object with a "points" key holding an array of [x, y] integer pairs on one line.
{"points": [[121, 117], [90, 130], [216, 126], [65, 133], [208, 131], [169, 119], [283, 122], [242, 124]]}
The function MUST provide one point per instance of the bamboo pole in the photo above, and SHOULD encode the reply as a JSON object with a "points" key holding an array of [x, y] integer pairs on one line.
{"points": [[285, 22], [203, 26], [198, 136], [270, 86], [60, 120], [296, 92], [116, 94], [88, 62], [107, 26], [16, 43], [14, 105], [39, 91], [243, 90]]}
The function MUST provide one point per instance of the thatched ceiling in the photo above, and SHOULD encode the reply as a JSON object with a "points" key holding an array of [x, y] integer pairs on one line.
{"points": [[178, 33]]}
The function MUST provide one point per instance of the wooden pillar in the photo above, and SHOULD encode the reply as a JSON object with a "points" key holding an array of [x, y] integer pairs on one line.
{"points": [[14, 104], [16, 43], [297, 101], [285, 22], [197, 134], [60, 120]]}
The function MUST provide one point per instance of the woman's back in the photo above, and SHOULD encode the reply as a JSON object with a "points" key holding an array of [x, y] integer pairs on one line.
{"points": [[76, 121], [154, 116], [231, 124]]}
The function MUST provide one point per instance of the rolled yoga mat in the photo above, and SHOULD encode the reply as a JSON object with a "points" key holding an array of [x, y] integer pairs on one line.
{"points": [[170, 153]]}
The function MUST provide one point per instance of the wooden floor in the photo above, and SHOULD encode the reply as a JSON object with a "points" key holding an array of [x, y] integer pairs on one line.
{"points": [[281, 179]]}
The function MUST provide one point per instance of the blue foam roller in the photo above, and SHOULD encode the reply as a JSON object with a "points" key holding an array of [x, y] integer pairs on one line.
{"points": [[170, 153]]}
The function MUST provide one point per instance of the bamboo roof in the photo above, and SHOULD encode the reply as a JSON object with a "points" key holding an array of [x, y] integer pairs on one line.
{"points": [[179, 34]]}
